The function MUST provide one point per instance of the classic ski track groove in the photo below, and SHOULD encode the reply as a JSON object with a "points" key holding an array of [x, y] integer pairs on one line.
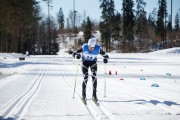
{"points": [[165, 107], [175, 110], [16, 108], [91, 107]]}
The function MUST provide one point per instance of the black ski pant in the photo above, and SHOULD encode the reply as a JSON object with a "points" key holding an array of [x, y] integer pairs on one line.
{"points": [[93, 67]]}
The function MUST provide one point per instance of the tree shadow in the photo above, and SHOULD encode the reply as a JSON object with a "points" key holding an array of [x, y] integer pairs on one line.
{"points": [[168, 103], [142, 101]]}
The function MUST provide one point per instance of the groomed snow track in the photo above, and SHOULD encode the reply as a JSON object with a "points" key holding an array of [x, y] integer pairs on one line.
{"points": [[96, 112], [16, 108]]}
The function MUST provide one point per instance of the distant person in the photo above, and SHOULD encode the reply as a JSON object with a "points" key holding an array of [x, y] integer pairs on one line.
{"points": [[89, 52]]}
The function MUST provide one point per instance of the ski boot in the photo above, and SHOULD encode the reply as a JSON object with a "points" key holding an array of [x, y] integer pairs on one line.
{"points": [[84, 98], [94, 99]]}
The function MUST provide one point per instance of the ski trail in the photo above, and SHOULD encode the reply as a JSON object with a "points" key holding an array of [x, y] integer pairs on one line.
{"points": [[17, 107], [96, 112], [170, 109]]}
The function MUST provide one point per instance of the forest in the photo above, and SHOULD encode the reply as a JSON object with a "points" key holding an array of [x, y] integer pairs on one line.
{"points": [[23, 27]]}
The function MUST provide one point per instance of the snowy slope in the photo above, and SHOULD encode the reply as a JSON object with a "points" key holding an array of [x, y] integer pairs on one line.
{"points": [[42, 88], [173, 51], [10, 63]]}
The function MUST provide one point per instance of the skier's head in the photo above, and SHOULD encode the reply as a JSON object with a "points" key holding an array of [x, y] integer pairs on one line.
{"points": [[92, 42]]}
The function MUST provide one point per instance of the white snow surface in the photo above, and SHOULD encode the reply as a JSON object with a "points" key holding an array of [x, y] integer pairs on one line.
{"points": [[42, 87], [175, 50]]}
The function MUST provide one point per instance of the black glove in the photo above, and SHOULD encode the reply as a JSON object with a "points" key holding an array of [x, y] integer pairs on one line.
{"points": [[107, 57], [78, 56], [74, 54], [105, 60]]}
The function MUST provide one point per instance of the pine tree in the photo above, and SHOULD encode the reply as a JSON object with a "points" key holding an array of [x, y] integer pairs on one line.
{"points": [[17, 21], [161, 22], [141, 21], [60, 19], [169, 24], [112, 17], [111, 8], [88, 29], [176, 26], [104, 6], [105, 25], [128, 21], [152, 17], [116, 28]]}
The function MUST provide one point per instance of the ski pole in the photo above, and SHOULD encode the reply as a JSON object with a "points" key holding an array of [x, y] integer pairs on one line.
{"points": [[105, 80], [75, 80]]}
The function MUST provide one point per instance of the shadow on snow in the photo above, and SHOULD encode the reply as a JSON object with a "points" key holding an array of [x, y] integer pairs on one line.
{"points": [[2, 118], [142, 101]]}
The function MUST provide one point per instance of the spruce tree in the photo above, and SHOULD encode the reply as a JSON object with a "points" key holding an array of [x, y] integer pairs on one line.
{"points": [[128, 21], [176, 26], [169, 24], [116, 28], [105, 25], [60, 19], [161, 21], [88, 29], [17, 21], [141, 21], [152, 17]]}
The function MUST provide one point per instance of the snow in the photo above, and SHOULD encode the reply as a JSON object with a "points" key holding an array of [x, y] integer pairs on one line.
{"points": [[146, 87], [173, 51]]}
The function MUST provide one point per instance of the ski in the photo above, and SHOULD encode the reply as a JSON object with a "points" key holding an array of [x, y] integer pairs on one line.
{"points": [[84, 101]]}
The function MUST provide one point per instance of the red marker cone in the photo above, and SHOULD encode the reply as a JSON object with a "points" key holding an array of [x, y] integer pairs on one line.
{"points": [[121, 79], [109, 72]]}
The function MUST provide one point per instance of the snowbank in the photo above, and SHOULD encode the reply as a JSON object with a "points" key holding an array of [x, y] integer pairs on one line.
{"points": [[10, 63]]}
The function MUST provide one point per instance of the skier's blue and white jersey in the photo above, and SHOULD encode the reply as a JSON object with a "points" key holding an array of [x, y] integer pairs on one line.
{"points": [[87, 55]]}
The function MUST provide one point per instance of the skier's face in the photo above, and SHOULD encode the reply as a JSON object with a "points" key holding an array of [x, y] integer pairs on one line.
{"points": [[91, 48]]}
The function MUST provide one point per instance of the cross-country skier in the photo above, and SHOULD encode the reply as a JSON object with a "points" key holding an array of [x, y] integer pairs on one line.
{"points": [[89, 52]]}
